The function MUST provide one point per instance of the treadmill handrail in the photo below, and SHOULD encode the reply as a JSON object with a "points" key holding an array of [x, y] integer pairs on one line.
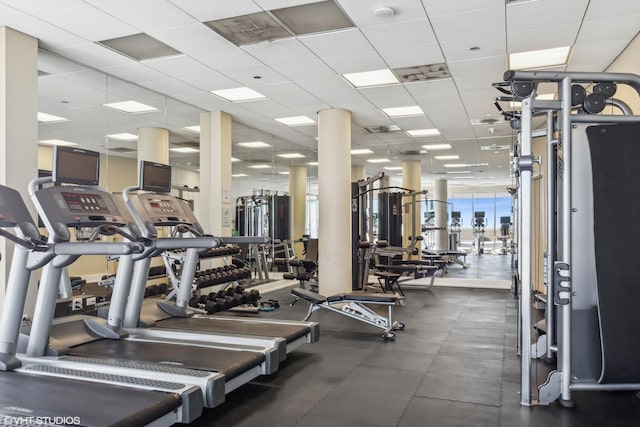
{"points": [[107, 248]]}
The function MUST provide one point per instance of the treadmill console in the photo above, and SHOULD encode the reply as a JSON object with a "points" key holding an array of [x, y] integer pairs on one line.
{"points": [[163, 209], [79, 206]]}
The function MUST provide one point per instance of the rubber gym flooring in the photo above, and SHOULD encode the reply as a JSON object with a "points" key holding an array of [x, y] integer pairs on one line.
{"points": [[454, 365]]}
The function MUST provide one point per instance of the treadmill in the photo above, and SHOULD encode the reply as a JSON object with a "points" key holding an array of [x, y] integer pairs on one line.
{"points": [[87, 341], [152, 318], [25, 397]]}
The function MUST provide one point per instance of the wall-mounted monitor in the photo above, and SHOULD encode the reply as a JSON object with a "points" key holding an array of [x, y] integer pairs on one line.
{"points": [[75, 166], [155, 177], [479, 215], [455, 214]]}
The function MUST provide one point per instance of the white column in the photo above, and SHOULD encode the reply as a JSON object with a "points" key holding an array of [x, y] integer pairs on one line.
{"points": [[357, 173], [298, 194], [334, 198], [18, 130], [153, 145], [440, 207], [215, 210], [412, 180]]}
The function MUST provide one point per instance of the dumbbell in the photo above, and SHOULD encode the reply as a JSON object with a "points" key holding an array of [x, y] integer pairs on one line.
{"points": [[211, 307], [163, 288], [193, 301], [231, 302], [221, 303], [212, 296], [202, 300]]}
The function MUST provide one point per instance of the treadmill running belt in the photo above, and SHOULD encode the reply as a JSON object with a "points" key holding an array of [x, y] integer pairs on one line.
{"points": [[228, 362], [288, 332], [615, 150], [55, 400]]}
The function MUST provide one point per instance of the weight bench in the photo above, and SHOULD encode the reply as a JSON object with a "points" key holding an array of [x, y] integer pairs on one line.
{"points": [[354, 305]]}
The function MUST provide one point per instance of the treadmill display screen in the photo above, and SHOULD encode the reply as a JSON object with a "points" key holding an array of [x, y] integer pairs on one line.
{"points": [[76, 166], [85, 203], [155, 177], [163, 206]]}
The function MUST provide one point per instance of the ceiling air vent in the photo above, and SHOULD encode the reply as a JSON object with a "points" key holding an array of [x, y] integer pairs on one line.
{"points": [[413, 152], [494, 147], [383, 129], [122, 150], [249, 29], [422, 73], [486, 121]]}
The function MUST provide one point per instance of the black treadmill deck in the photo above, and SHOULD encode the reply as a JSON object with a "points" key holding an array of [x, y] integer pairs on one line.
{"points": [[228, 362], [287, 331], [65, 401]]}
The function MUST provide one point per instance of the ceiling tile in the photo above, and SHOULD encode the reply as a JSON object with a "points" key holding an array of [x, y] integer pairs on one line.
{"points": [[425, 54], [93, 55], [165, 15], [42, 7], [279, 51], [361, 12], [196, 40], [207, 10], [401, 34], [619, 28], [447, 7], [337, 43], [557, 36], [388, 96], [357, 62], [177, 66], [489, 45], [302, 70], [90, 23], [535, 15], [469, 25]]}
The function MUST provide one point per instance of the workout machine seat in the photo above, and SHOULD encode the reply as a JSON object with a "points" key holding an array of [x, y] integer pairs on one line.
{"points": [[354, 305]]}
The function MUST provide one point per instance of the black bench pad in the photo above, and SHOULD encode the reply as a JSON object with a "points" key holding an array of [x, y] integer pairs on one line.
{"points": [[307, 295], [369, 297]]}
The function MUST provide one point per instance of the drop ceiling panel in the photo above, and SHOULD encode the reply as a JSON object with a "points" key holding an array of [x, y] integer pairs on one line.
{"points": [[447, 7], [195, 40], [267, 76], [303, 70], [177, 66], [170, 87], [361, 12], [489, 45], [558, 36], [268, 108], [289, 93], [92, 55], [410, 56], [400, 34], [388, 96], [209, 81], [603, 9], [37, 8], [232, 61], [279, 51], [146, 15], [412, 123], [536, 15], [90, 23], [356, 62], [337, 43], [136, 72], [619, 28], [595, 56], [207, 10], [469, 25]]}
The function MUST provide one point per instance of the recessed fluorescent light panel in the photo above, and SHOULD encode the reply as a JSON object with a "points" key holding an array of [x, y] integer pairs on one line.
{"points": [[131, 107], [361, 151], [431, 147], [423, 132], [458, 172], [465, 165], [378, 160], [539, 58], [393, 168], [283, 173], [254, 144], [312, 163], [194, 129], [260, 166], [239, 175], [449, 157], [291, 155], [316, 17], [295, 121], [184, 150], [494, 147], [233, 160], [124, 136], [412, 110], [59, 142], [50, 118], [140, 46], [371, 78], [238, 94]]}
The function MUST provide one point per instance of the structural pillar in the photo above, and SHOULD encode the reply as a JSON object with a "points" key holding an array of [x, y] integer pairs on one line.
{"points": [[153, 145], [215, 210], [412, 216], [334, 198], [440, 208], [298, 194], [18, 130], [357, 173]]}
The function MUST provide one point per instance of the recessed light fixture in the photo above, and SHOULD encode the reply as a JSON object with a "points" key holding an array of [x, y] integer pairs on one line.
{"points": [[458, 172], [431, 147], [184, 150], [312, 163], [411, 110], [194, 128], [449, 157], [59, 142], [361, 151], [283, 173], [539, 58], [291, 155], [462, 177], [124, 136], [423, 132], [254, 144], [371, 78], [465, 165], [393, 168], [50, 118], [378, 160], [261, 166], [131, 107], [295, 121], [239, 175], [238, 94], [233, 160]]}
